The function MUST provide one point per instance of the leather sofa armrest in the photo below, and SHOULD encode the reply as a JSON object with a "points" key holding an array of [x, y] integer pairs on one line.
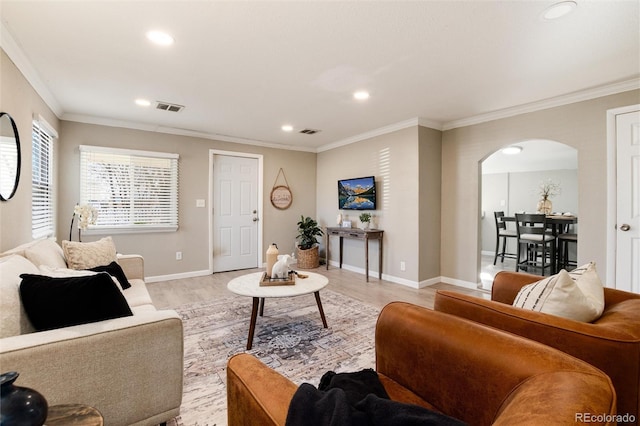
{"points": [[256, 394], [539, 400], [506, 285], [132, 265], [462, 368]]}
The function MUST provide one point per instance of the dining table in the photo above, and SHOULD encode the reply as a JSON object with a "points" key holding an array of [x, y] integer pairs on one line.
{"points": [[558, 223]]}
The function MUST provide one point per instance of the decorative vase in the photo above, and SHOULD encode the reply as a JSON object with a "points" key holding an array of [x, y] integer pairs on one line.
{"points": [[544, 205], [19, 405], [365, 225]]}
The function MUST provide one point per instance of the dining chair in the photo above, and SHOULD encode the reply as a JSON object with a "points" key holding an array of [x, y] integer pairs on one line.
{"points": [[539, 246], [503, 233], [564, 240]]}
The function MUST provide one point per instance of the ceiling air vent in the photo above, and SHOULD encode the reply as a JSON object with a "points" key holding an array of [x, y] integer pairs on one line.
{"points": [[166, 106], [309, 131]]}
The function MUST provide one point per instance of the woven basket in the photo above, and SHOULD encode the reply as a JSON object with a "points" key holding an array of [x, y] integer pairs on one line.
{"points": [[308, 259]]}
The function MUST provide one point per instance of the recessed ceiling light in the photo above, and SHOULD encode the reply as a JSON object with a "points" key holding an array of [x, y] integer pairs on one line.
{"points": [[559, 10], [160, 37], [511, 150], [361, 95], [287, 127], [143, 102]]}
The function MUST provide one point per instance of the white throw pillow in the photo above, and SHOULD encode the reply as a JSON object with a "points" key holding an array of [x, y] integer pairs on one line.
{"points": [[46, 252], [563, 296], [13, 318], [586, 277], [89, 255]]}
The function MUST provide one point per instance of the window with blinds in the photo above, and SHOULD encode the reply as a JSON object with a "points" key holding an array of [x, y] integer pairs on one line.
{"points": [[42, 188], [133, 191]]}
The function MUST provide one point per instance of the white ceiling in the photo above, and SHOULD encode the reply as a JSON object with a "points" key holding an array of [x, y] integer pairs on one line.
{"points": [[243, 69]]}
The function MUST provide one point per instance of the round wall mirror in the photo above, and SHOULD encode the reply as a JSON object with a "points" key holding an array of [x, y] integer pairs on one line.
{"points": [[9, 157]]}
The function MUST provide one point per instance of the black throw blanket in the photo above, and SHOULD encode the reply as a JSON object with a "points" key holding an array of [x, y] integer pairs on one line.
{"points": [[356, 399]]}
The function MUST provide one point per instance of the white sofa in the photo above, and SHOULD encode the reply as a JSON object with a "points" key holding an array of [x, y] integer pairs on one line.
{"points": [[129, 368]]}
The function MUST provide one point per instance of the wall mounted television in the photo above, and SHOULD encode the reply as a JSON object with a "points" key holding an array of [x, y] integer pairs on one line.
{"points": [[357, 193]]}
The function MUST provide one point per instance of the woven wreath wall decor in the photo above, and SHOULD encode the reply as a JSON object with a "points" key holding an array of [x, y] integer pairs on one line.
{"points": [[281, 196]]}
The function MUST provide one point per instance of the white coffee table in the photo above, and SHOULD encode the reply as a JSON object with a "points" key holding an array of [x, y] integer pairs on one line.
{"points": [[249, 285]]}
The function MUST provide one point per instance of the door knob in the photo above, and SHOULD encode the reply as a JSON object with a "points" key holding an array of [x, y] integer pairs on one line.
{"points": [[255, 219], [624, 227]]}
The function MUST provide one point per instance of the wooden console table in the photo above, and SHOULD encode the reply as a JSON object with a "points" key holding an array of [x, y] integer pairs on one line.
{"points": [[357, 234]]}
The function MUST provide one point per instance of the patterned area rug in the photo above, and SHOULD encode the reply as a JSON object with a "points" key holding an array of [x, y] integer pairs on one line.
{"points": [[289, 338]]}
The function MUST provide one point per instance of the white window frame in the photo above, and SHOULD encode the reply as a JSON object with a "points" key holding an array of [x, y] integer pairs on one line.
{"points": [[43, 194], [125, 223]]}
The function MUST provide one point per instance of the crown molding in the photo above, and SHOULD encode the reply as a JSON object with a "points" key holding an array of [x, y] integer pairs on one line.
{"points": [[88, 119], [418, 121], [16, 54], [570, 98]]}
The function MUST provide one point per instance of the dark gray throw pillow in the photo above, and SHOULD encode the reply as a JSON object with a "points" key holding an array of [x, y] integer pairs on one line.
{"points": [[62, 302], [116, 271]]}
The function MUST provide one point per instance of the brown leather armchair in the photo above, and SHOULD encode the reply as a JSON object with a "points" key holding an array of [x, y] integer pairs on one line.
{"points": [[474, 373], [611, 343]]}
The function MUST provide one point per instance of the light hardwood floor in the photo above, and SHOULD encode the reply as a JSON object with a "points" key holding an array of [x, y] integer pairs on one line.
{"points": [[174, 293]]}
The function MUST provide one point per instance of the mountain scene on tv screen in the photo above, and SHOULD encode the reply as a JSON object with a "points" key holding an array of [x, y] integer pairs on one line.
{"points": [[356, 194]]}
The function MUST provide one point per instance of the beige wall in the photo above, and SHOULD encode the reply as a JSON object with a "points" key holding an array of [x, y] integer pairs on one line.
{"points": [[581, 125], [430, 172], [395, 162], [192, 237], [21, 101]]}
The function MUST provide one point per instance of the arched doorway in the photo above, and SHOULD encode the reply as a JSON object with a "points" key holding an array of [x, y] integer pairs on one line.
{"points": [[510, 183]]}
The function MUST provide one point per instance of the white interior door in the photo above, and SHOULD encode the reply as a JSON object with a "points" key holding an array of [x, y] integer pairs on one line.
{"points": [[628, 205], [235, 213]]}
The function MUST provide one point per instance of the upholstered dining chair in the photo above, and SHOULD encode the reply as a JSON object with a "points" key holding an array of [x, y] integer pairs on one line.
{"points": [[563, 242], [503, 233], [539, 245]]}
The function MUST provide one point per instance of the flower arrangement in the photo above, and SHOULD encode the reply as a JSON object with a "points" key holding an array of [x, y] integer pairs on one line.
{"points": [[548, 189], [87, 215]]}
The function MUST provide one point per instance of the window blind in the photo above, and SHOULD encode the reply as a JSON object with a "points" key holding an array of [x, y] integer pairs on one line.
{"points": [[131, 190], [42, 196]]}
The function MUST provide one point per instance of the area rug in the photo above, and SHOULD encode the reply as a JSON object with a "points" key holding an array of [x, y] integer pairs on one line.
{"points": [[289, 338]]}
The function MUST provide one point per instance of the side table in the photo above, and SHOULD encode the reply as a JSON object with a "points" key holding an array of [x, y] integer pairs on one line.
{"points": [[73, 415], [357, 234]]}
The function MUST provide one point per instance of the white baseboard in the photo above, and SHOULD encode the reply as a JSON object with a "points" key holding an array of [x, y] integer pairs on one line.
{"points": [[460, 283], [179, 276], [406, 282], [386, 277]]}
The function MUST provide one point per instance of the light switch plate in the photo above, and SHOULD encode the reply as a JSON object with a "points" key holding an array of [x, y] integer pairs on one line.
{"points": [[199, 202]]}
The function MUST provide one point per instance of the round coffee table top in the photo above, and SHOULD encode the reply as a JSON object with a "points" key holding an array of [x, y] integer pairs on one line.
{"points": [[249, 285]]}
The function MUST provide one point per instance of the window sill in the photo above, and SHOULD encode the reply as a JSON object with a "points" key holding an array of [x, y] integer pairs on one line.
{"points": [[128, 230]]}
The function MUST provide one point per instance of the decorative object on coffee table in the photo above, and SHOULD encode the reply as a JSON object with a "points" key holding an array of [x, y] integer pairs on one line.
{"points": [[308, 230], [74, 414], [20, 405]]}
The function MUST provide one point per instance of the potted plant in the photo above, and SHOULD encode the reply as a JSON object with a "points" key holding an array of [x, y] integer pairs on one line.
{"points": [[308, 230], [365, 218]]}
